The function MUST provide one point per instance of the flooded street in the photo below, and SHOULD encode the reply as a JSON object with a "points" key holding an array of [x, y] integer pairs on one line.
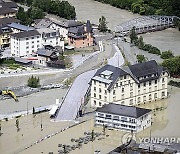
{"points": [[43, 98]]}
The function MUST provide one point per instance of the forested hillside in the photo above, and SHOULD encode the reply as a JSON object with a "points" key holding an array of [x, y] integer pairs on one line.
{"points": [[147, 7]]}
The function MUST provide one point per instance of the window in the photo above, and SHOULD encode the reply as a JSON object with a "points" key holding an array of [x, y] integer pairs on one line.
{"points": [[116, 84], [144, 84], [138, 92], [108, 116], [144, 98], [149, 83], [32, 46], [139, 99], [115, 117], [37, 41], [122, 90], [114, 98], [27, 38], [163, 94], [106, 85], [163, 86], [131, 102], [131, 94], [94, 82], [114, 92], [100, 115], [27, 43], [27, 47], [155, 87], [105, 91], [99, 90], [37, 46], [122, 96], [163, 80], [94, 95], [105, 98], [32, 37], [125, 77], [99, 96], [155, 95], [27, 52], [155, 81], [37, 36], [94, 88], [100, 103], [94, 102], [149, 89], [149, 96], [32, 42]]}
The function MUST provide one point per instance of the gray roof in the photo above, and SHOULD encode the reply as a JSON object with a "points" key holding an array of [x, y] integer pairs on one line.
{"points": [[44, 52], [135, 71], [43, 23], [122, 110], [9, 4], [20, 27], [4, 10], [5, 29], [26, 34], [5, 21], [77, 32]]}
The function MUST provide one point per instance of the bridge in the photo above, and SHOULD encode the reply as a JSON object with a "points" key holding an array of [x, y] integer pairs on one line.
{"points": [[145, 24]]}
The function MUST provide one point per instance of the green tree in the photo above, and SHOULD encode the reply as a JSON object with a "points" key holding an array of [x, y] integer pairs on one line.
{"points": [[35, 13], [167, 54], [173, 65], [141, 58], [33, 82], [140, 42], [133, 35], [102, 24]]}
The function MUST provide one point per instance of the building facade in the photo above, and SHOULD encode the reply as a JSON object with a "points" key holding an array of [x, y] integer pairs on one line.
{"points": [[25, 43], [81, 36], [127, 118], [5, 32], [131, 85]]}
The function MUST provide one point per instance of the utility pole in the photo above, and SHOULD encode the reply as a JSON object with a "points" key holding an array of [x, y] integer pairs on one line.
{"points": [[27, 107], [41, 124]]}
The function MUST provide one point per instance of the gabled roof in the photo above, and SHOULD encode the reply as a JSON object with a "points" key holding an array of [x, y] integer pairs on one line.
{"points": [[20, 27], [45, 52], [5, 29], [9, 4], [150, 70], [117, 72], [5, 21], [123, 110], [26, 34], [43, 23], [4, 10]]}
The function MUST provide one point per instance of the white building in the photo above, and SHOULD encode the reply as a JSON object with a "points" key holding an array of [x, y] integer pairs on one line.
{"points": [[25, 43], [51, 37], [127, 118], [61, 25], [130, 85]]}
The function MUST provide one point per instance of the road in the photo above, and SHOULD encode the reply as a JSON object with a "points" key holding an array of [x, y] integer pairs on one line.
{"points": [[73, 100]]}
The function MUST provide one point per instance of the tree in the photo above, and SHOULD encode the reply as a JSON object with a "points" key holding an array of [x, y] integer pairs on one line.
{"points": [[133, 35], [141, 58], [102, 24], [167, 54], [33, 82], [173, 65], [140, 42]]}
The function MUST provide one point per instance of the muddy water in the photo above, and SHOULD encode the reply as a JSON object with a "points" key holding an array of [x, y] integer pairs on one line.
{"points": [[168, 39], [165, 124], [34, 100]]}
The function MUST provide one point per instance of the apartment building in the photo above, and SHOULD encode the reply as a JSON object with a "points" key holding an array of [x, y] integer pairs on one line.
{"points": [[126, 118], [81, 36], [25, 43], [129, 85], [5, 32]]}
